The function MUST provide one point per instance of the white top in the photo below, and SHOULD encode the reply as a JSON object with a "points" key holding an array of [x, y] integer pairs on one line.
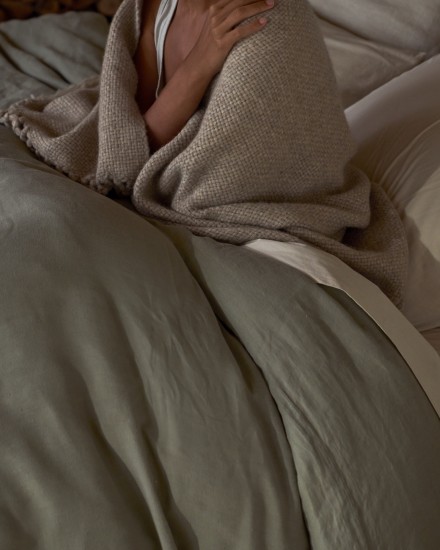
{"points": [[163, 19]]}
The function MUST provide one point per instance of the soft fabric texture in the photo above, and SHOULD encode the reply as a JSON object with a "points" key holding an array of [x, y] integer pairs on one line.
{"points": [[265, 156], [36, 57], [326, 269], [408, 24], [240, 406], [362, 65], [132, 418], [398, 131]]}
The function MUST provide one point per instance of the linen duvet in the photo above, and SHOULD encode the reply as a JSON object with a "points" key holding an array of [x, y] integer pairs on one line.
{"points": [[163, 390]]}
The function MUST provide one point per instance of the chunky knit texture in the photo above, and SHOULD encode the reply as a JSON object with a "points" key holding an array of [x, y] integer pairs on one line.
{"points": [[266, 155]]}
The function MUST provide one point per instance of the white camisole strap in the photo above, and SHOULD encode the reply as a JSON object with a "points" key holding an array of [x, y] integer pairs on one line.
{"points": [[163, 19]]}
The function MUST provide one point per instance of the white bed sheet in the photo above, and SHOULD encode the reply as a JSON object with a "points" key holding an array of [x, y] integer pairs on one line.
{"points": [[328, 270]]}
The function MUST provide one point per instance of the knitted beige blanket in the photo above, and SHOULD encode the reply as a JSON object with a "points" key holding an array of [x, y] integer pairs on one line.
{"points": [[266, 155]]}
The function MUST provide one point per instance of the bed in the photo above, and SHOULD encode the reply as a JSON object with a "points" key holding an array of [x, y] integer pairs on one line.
{"points": [[164, 390]]}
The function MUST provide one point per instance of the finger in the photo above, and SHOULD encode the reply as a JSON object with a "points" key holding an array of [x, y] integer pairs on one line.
{"points": [[243, 12], [238, 33]]}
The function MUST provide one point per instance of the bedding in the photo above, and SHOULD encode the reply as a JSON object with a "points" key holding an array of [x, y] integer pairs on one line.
{"points": [[165, 390], [328, 270], [224, 175], [362, 65], [24, 9], [397, 128], [35, 57], [402, 24]]}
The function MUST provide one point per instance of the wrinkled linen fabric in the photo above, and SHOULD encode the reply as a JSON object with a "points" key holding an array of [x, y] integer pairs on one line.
{"points": [[266, 155], [191, 394], [47, 53]]}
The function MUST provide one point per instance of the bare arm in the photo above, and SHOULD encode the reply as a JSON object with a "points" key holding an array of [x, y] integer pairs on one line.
{"points": [[181, 96], [177, 102]]}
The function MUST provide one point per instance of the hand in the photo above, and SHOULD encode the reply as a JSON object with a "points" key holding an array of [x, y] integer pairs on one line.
{"points": [[220, 32], [182, 94]]}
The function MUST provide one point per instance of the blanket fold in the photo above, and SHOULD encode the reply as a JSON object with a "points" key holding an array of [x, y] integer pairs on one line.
{"points": [[266, 155]]}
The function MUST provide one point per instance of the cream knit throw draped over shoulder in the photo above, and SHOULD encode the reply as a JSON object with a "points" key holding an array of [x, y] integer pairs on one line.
{"points": [[266, 155]]}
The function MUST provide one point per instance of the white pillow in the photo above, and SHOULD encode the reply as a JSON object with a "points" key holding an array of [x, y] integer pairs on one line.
{"points": [[360, 65], [409, 24], [397, 128]]}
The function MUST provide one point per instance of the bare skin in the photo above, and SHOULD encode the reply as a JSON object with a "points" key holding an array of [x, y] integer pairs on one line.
{"points": [[199, 38]]}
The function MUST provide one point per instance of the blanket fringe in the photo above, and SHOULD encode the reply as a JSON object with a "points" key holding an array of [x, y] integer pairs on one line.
{"points": [[17, 124]]}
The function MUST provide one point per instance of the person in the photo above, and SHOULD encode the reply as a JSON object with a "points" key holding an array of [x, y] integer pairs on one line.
{"points": [[199, 38], [245, 140]]}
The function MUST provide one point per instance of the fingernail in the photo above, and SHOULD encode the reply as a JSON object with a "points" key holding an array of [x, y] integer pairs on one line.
{"points": [[270, 2]]}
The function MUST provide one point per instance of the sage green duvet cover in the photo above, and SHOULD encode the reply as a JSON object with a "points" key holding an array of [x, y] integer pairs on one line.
{"points": [[161, 390]]}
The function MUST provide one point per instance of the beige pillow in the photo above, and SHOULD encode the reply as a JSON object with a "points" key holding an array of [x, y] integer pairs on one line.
{"points": [[362, 65], [398, 131], [408, 24]]}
